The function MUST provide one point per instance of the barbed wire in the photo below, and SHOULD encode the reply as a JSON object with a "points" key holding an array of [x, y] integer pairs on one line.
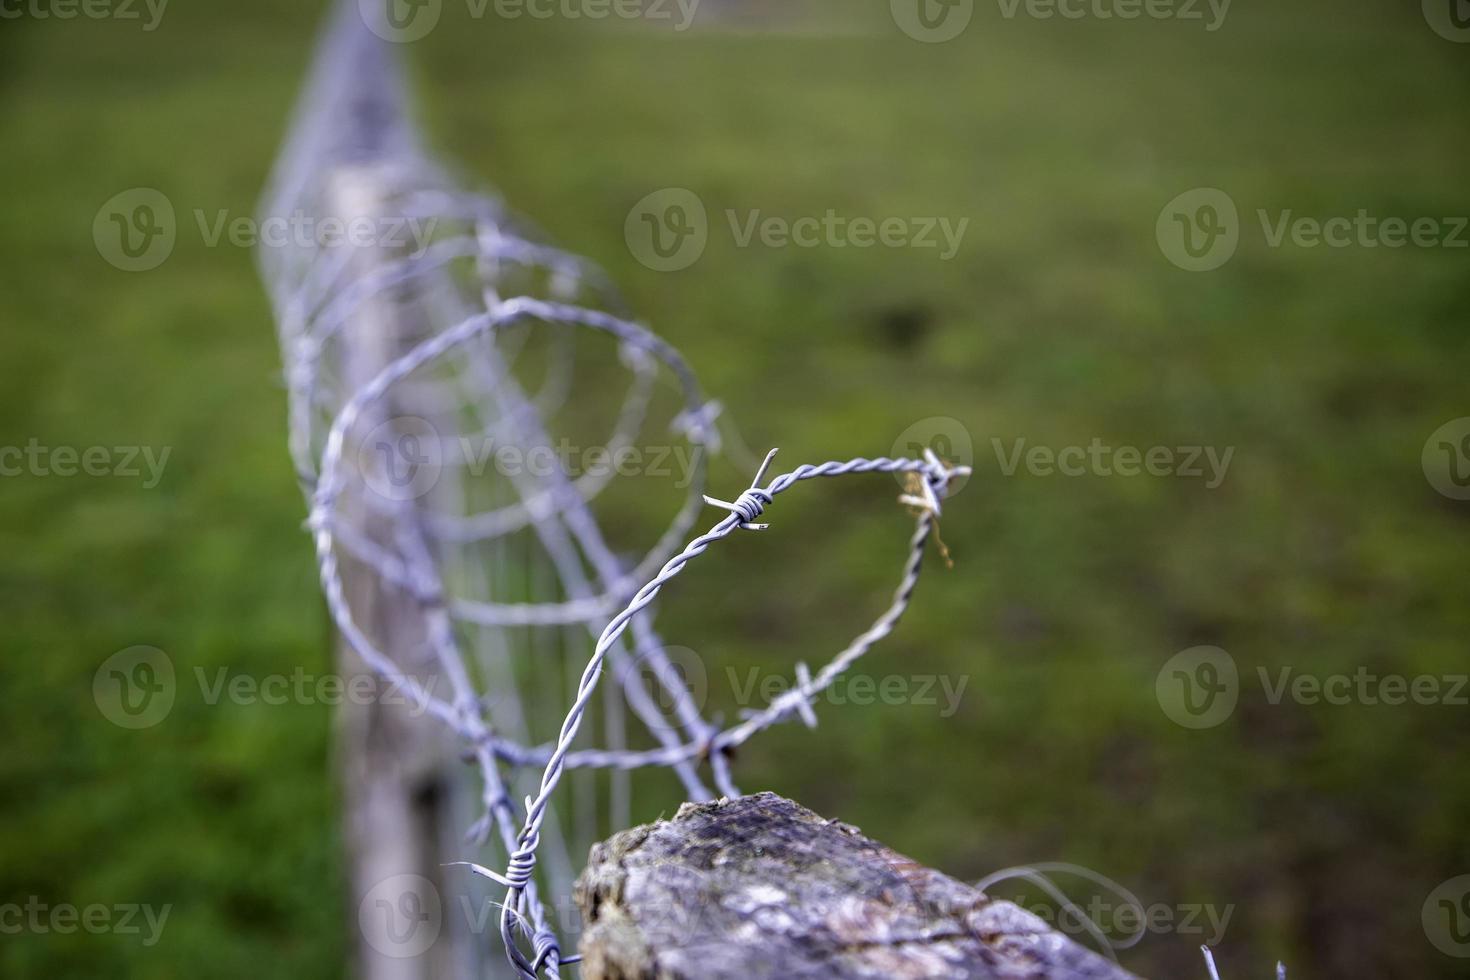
{"points": [[744, 510], [369, 331], [1209, 956]]}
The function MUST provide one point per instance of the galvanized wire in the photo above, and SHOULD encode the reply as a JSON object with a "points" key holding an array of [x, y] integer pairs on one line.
{"points": [[457, 354]]}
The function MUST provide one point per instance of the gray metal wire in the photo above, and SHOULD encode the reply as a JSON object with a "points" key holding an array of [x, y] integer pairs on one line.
{"points": [[751, 503], [1209, 956], [459, 358]]}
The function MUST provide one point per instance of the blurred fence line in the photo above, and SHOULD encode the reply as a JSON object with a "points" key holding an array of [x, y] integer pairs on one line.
{"points": [[493, 599]]}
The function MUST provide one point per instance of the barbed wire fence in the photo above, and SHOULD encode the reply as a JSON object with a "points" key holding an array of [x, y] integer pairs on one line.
{"points": [[505, 586]]}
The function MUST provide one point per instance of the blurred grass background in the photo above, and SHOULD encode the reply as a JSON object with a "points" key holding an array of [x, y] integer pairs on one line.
{"points": [[1060, 321]]}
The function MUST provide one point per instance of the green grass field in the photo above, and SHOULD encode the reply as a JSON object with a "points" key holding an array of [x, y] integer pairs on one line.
{"points": [[1059, 321]]}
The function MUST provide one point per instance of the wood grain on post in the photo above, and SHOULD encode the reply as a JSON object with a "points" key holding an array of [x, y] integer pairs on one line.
{"points": [[759, 887]]}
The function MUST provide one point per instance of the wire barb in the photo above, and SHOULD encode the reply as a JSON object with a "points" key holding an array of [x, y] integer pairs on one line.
{"points": [[349, 373], [924, 490], [751, 502]]}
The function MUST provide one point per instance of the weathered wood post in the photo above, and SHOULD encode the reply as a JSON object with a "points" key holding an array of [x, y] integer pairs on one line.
{"points": [[759, 888], [397, 771]]}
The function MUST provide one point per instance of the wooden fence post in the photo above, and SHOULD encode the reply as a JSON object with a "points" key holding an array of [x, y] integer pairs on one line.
{"points": [[758, 888], [394, 764]]}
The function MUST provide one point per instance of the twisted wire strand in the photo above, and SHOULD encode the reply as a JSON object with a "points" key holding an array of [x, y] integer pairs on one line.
{"points": [[518, 875], [353, 119], [507, 313], [577, 530]]}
